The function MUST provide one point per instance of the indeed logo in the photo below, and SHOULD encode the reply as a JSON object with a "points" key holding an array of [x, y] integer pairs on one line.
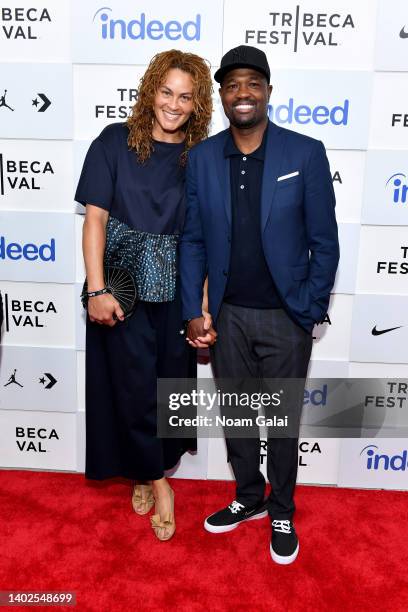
{"points": [[141, 28], [377, 461], [398, 184], [316, 397], [29, 251], [292, 113]]}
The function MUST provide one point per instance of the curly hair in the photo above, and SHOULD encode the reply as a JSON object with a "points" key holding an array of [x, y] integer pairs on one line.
{"points": [[140, 121]]}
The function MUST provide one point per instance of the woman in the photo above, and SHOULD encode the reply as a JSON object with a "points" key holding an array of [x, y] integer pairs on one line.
{"points": [[133, 175]]}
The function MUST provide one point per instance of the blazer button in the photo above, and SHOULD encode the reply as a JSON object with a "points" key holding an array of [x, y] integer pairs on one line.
{"points": [[225, 273], [229, 238]]}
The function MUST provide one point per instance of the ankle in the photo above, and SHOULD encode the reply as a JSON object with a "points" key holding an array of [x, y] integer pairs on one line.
{"points": [[160, 486]]}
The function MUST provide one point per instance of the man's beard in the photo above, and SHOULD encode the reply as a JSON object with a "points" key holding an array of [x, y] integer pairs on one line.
{"points": [[246, 123]]}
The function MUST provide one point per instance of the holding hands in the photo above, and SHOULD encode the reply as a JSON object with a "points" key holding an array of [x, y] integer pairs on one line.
{"points": [[200, 332]]}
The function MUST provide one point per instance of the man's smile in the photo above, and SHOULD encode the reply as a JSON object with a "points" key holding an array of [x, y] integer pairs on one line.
{"points": [[244, 107]]}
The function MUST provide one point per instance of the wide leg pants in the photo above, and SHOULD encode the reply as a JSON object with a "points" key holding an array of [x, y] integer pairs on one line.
{"points": [[122, 367]]}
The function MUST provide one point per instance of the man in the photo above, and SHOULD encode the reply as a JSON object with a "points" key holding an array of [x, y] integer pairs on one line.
{"points": [[260, 223]]}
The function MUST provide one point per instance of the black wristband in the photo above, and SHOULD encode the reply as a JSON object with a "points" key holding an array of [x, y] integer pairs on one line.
{"points": [[96, 293]]}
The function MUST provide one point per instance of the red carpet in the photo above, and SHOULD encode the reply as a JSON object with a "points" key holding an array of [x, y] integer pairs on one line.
{"points": [[58, 532]]}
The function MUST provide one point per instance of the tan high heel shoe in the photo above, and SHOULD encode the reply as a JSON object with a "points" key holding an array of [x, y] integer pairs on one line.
{"points": [[164, 526], [142, 498]]}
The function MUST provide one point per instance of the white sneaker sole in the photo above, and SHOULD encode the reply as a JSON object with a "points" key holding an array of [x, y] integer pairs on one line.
{"points": [[226, 528], [283, 560]]}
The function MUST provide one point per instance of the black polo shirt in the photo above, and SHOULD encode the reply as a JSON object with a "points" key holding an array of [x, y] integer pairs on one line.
{"points": [[249, 281]]}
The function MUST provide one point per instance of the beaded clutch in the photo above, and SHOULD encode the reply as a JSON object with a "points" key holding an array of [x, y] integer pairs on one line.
{"points": [[149, 259]]}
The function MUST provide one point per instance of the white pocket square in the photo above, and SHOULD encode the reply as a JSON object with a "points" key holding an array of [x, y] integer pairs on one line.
{"points": [[286, 176]]}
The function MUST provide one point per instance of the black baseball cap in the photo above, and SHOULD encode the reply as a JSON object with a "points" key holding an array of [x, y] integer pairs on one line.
{"points": [[243, 56]]}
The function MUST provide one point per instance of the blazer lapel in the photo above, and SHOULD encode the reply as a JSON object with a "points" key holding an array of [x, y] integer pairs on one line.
{"points": [[275, 146], [223, 172]]}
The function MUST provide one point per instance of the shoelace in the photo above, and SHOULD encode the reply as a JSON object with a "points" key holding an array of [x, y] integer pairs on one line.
{"points": [[236, 507], [282, 526]]}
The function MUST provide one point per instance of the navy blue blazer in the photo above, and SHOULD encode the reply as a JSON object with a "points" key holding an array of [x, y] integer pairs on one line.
{"points": [[298, 225]]}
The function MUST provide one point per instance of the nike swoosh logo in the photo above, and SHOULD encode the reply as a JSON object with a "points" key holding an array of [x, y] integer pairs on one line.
{"points": [[379, 332], [403, 33]]}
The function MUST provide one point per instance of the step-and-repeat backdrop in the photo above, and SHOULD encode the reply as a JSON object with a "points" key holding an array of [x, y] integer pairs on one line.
{"points": [[68, 68]]}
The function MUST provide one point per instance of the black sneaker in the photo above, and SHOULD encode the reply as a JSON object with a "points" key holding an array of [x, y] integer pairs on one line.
{"points": [[233, 515], [284, 543]]}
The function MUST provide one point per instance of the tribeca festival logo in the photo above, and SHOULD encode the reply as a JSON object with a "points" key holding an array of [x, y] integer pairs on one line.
{"points": [[380, 461], [21, 312], [394, 267], [126, 99], [292, 112], [23, 174], [398, 187], [141, 27], [307, 448], [34, 439], [399, 120], [301, 29], [19, 23]]}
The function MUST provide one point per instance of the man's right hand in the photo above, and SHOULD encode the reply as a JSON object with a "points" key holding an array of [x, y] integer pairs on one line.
{"points": [[105, 310]]}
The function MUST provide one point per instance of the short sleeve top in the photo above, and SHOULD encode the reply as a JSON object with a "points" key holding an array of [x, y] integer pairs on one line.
{"points": [[147, 197]]}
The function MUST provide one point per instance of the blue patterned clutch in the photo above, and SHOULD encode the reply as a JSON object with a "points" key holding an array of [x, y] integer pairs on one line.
{"points": [[149, 258]]}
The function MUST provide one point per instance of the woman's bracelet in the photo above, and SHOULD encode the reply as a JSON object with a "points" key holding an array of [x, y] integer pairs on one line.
{"points": [[100, 292]]}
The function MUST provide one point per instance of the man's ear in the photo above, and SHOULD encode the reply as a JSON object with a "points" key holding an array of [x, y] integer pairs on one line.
{"points": [[269, 91]]}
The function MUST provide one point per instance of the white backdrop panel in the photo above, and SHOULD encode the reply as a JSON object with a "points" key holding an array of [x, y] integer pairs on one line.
{"points": [[307, 34], [391, 49], [37, 246], [328, 368], [383, 260], [79, 260], [129, 33], [378, 370], [374, 464], [40, 440], [332, 336], [80, 150], [385, 199], [36, 175], [80, 319], [38, 314], [29, 31], [38, 379], [81, 380], [373, 337], [349, 236], [389, 112], [347, 169], [40, 96], [103, 95]]}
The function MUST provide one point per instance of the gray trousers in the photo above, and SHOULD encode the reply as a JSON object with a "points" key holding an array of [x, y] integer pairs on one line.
{"points": [[255, 343]]}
